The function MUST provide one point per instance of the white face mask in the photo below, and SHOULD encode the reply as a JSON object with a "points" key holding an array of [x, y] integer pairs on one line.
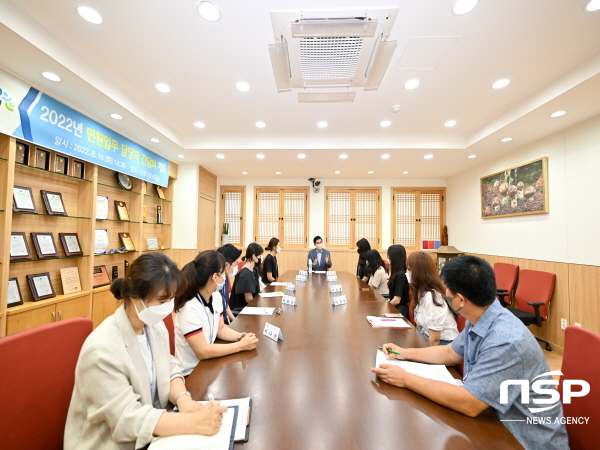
{"points": [[219, 286], [234, 271], [319, 246], [278, 250], [151, 315]]}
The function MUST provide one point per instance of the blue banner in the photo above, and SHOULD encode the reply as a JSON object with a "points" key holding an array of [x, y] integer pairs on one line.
{"points": [[29, 114]]}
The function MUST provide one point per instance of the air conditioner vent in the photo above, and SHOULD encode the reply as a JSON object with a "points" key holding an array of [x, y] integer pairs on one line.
{"points": [[329, 58]]}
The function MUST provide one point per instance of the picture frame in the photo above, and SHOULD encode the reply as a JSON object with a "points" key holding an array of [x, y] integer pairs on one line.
{"points": [[124, 181], [78, 170], [100, 277], [42, 159], [61, 164], [70, 243], [15, 297], [127, 241], [44, 245], [517, 191], [22, 155], [19, 248], [122, 212], [152, 243], [23, 200], [69, 278], [41, 286], [53, 202], [160, 192]]}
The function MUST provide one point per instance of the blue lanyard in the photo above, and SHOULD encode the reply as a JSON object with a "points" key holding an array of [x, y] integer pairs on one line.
{"points": [[151, 371]]}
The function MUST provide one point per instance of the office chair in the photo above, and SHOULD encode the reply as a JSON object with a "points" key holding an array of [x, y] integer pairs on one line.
{"points": [[532, 298], [506, 281], [171, 329]]}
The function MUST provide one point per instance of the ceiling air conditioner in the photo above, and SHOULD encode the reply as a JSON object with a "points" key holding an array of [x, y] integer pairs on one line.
{"points": [[327, 55]]}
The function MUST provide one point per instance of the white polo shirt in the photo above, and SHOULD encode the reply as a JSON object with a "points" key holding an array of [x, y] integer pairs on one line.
{"points": [[193, 318]]}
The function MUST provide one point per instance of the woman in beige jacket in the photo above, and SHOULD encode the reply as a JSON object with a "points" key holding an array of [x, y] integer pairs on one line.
{"points": [[125, 374]]}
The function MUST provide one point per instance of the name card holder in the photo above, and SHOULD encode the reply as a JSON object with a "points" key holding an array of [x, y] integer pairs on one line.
{"points": [[272, 332], [331, 273], [333, 278], [302, 272], [339, 300], [290, 287], [300, 277], [335, 288], [289, 300]]}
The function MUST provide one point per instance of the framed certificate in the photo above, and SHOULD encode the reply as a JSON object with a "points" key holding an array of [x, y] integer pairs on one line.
{"points": [[69, 278], [122, 212], [124, 181], [160, 192], [70, 244], [153, 243], [44, 245], [61, 164], [100, 276], [41, 286], [54, 203], [23, 200], [42, 159], [14, 293], [101, 207], [22, 156], [19, 249], [127, 241], [78, 169]]}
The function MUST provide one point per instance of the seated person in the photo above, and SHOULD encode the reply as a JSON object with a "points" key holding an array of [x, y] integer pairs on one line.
{"points": [[320, 257], [433, 318], [125, 374], [246, 284], [378, 277], [363, 247], [232, 255], [398, 282], [494, 347], [270, 271]]}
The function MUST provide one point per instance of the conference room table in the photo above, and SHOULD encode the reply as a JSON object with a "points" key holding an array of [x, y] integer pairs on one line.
{"points": [[314, 389]]}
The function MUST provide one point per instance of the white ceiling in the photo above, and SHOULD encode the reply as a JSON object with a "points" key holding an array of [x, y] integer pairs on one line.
{"points": [[550, 50]]}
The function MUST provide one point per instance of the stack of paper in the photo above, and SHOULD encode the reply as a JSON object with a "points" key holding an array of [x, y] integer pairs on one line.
{"points": [[431, 371], [256, 311], [278, 283], [384, 322], [271, 294]]}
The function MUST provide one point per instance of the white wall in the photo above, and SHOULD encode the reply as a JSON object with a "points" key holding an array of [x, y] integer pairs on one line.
{"points": [[185, 210], [317, 201], [569, 233]]}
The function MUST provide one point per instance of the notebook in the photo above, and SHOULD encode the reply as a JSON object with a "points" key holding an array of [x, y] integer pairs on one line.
{"points": [[432, 371], [383, 322], [242, 426]]}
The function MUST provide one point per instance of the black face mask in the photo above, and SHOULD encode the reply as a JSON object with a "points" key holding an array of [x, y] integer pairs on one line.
{"points": [[449, 302]]}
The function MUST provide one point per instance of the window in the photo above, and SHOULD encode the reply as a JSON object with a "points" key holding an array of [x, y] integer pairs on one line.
{"points": [[352, 214], [418, 217], [232, 212], [281, 213]]}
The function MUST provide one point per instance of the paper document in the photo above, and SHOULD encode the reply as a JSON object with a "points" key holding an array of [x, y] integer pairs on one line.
{"points": [[271, 294], [256, 311], [220, 441], [431, 371], [384, 322], [278, 283], [320, 271], [243, 417]]}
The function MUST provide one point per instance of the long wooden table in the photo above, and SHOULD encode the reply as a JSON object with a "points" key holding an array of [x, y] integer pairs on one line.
{"points": [[314, 389]]}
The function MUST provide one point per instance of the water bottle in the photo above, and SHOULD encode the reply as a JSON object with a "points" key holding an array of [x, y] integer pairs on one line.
{"points": [[309, 265]]}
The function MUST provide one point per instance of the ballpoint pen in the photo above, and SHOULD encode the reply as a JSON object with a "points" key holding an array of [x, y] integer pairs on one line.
{"points": [[389, 351], [266, 312], [211, 399]]}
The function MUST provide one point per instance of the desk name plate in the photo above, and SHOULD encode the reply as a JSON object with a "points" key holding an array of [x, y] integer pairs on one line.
{"points": [[339, 300], [335, 288], [290, 287], [289, 300], [302, 272], [272, 332], [300, 277], [332, 278]]}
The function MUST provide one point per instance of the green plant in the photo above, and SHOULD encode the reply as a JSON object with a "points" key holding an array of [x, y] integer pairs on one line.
{"points": [[225, 228]]}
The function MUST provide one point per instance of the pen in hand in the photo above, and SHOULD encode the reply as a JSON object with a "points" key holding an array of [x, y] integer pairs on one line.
{"points": [[211, 399], [389, 351]]}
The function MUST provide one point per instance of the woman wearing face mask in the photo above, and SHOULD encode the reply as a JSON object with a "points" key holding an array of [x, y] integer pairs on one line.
{"points": [[232, 256], [363, 247], [246, 284], [270, 271], [199, 320], [398, 282], [125, 374], [378, 277]]}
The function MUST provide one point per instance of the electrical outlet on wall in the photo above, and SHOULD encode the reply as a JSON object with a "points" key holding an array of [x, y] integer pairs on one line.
{"points": [[563, 324], [577, 324]]}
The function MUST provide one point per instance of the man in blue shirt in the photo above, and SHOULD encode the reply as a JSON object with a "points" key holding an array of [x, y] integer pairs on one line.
{"points": [[320, 257], [494, 347]]}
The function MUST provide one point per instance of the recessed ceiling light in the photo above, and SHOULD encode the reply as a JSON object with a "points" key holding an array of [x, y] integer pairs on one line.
{"points": [[370, 171], [181, 156], [260, 124], [593, 5], [162, 87], [411, 84], [472, 156], [154, 140], [506, 139], [199, 124], [301, 156], [385, 123], [396, 108], [337, 171], [244, 173], [343, 156], [464, 6], [322, 124], [501, 83], [89, 14], [405, 172], [116, 116], [385, 156], [209, 12], [220, 156], [51, 76], [277, 173], [260, 156], [450, 123], [428, 156], [558, 113], [242, 86]]}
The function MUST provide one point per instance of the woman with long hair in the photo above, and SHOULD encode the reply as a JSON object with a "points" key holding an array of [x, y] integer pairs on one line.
{"points": [[232, 255], [377, 273], [362, 247], [199, 320], [125, 374], [246, 284], [433, 318], [270, 271], [398, 282]]}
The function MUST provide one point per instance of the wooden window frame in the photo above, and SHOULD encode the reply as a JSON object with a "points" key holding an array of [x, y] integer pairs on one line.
{"points": [[242, 208]]}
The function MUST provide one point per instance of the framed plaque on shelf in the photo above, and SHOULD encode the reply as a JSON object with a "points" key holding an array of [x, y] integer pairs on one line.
{"points": [[42, 159], [61, 164], [69, 278], [122, 212], [54, 203], [70, 243], [78, 169], [100, 277], [23, 200], [41, 286], [19, 249], [44, 245], [22, 156], [124, 181], [160, 192], [127, 241], [14, 293], [152, 243]]}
